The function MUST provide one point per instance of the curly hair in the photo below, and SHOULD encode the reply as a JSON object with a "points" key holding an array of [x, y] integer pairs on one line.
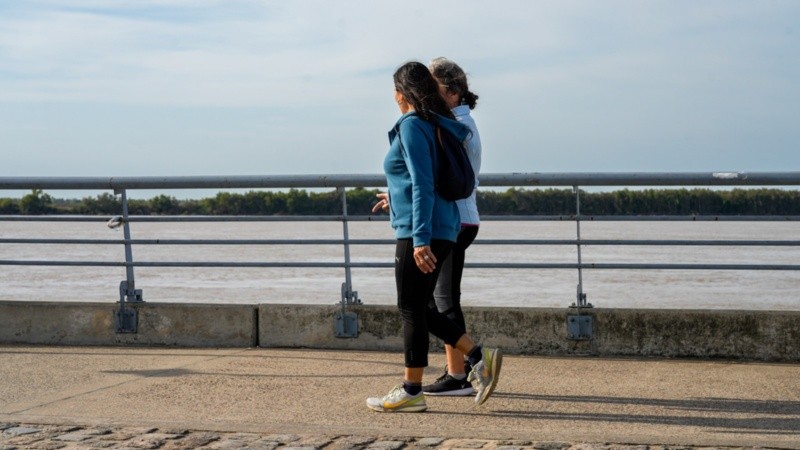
{"points": [[455, 80]]}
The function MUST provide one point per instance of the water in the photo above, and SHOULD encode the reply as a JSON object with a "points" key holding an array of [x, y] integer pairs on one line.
{"points": [[683, 289]]}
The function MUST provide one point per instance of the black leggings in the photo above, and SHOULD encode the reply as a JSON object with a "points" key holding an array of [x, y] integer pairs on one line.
{"points": [[415, 300], [448, 286]]}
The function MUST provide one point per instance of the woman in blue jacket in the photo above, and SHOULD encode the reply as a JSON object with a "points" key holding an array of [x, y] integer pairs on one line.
{"points": [[426, 227]]}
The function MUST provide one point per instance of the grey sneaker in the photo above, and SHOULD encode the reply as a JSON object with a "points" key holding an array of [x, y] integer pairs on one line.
{"points": [[398, 400], [485, 374]]}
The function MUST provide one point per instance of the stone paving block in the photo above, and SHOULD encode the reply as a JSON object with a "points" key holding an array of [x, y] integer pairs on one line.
{"points": [[63, 429], [166, 436], [509, 447], [589, 447], [20, 431], [240, 441], [464, 443], [429, 441], [153, 440], [46, 445], [545, 445], [4, 426], [130, 433], [246, 437], [228, 444], [181, 431], [103, 444], [114, 436], [605, 446], [98, 431], [146, 442], [282, 438], [76, 436], [23, 440], [514, 443], [351, 443], [263, 444], [387, 445], [194, 440], [248, 441], [316, 442]]}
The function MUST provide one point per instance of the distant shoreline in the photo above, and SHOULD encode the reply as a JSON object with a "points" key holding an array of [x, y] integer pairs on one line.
{"points": [[514, 201]]}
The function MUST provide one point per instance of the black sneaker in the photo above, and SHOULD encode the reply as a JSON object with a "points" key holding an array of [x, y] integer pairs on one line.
{"points": [[447, 385]]}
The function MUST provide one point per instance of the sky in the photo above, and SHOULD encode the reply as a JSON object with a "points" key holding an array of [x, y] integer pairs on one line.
{"points": [[236, 87]]}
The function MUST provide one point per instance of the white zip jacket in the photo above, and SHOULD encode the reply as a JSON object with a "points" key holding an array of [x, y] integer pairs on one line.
{"points": [[468, 207]]}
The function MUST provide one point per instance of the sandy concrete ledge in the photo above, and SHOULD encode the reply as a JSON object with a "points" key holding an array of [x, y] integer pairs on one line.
{"points": [[159, 324], [748, 335], [756, 335], [752, 335]]}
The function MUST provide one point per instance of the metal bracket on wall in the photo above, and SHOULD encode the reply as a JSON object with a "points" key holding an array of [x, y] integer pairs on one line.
{"points": [[127, 318], [345, 323], [580, 327]]}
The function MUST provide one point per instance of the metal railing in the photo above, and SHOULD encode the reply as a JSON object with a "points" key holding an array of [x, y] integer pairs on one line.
{"points": [[346, 326]]}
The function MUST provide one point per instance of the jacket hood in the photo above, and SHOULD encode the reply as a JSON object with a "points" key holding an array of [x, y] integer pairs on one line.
{"points": [[456, 128]]}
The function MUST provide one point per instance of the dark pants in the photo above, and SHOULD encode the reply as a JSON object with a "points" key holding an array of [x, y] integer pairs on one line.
{"points": [[415, 300], [448, 286]]}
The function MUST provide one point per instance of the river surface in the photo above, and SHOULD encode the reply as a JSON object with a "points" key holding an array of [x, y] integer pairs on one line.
{"points": [[682, 289]]}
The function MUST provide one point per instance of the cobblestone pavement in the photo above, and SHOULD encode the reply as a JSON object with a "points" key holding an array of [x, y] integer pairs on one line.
{"points": [[45, 437]]}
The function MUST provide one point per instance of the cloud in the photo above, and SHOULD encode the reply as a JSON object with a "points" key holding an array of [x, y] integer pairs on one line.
{"points": [[590, 84], [250, 53], [258, 53]]}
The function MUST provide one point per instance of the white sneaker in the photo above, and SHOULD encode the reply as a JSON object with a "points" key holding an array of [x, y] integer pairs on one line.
{"points": [[398, 400]]}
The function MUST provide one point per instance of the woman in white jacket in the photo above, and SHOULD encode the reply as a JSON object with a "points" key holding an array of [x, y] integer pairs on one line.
{"points": [[454, 89]]}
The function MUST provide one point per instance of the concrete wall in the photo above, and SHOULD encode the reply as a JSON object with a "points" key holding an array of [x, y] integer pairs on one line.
{"points": [[165, 324], [757, 335], [751, 335]]}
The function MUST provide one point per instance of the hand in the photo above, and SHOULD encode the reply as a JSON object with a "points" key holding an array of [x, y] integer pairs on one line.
{"points": [[425, 259], [383, 202]]}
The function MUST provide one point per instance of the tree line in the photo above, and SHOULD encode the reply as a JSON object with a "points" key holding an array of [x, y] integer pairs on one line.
{"points": [[514, 201]]}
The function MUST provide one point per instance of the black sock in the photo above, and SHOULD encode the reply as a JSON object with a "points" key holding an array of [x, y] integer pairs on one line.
{"points": [[475, 355], [412, 388]]}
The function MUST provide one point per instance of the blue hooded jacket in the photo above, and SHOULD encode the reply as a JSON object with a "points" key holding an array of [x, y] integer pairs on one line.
{"points": [[415, 209]]}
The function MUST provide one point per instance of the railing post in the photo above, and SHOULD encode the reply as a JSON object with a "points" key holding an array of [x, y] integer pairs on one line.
{"points": [[346, 322], [579, 326], [126, 318]]}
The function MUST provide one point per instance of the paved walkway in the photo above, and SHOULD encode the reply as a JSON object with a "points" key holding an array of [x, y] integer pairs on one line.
{"points": [[87, 397]]}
